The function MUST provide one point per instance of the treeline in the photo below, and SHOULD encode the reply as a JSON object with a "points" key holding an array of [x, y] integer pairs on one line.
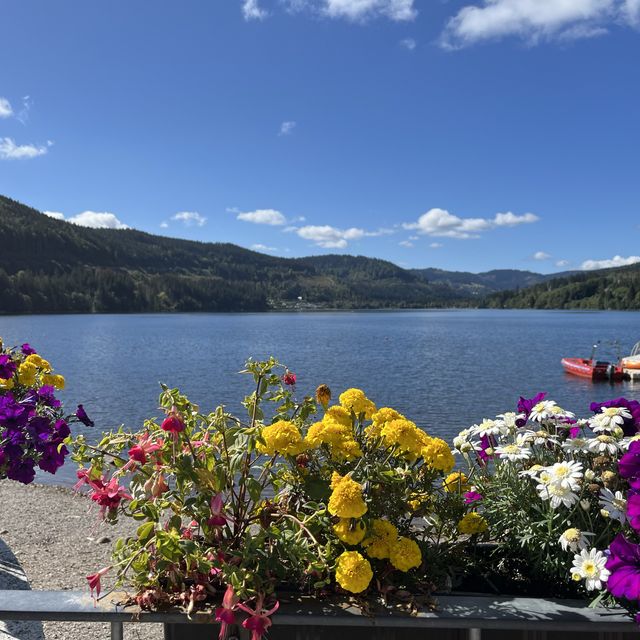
{"points": [[607, 289], [51, 266]]}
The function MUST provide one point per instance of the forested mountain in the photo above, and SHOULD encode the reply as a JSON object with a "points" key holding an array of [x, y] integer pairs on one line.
{"points": [[49, 266], [605, 289]]}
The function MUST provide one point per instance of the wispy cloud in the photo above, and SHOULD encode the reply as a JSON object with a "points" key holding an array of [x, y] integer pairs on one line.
{"points": [[9, 150], [357, 10], [329, 237], [251, 10], [287, 127], [440, 223], [263, 247], [406, 243], [536, 20], [562, 263], [408, 43], [263, 216], [436, 245], [6, 110], [540, 255], [92, 219], [616, 261], [54, 214], [190, 218]]}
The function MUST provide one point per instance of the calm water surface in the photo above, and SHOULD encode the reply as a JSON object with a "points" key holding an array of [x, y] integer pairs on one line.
{"points": [[443, 369]]}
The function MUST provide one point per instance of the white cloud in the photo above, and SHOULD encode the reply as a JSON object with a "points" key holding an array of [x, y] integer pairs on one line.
{"points": [[54, 214], [164, 225], [9, 150], [5, 108], [263, 216], [537, 20], [616, 261], [190, 218], [440, 223], [262, 247], [562, 263], [329, 237], [436, 245], [97, 220], [287, 127], [408, 43], [252, 11], [357, 10], [541, 255], [406, 243]]}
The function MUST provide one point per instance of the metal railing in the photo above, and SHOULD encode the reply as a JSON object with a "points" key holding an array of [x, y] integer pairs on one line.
{"points": [[470, 614]]}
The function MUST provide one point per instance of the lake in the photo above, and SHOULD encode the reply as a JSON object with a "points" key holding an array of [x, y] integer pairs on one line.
{"points": [[444, 369]]}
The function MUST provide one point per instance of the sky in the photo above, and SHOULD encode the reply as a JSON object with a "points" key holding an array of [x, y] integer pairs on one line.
{"points": [[465, 135]]}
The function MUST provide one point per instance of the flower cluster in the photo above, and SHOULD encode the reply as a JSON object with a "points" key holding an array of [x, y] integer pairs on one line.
{"points": [[358, 500], [33, 428], [561, 495]]}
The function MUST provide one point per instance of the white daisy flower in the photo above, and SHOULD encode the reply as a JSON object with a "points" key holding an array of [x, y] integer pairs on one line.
{"points": [[532, 472], [513, 452], [548, 409], [574, 540], [509, 419], [558, 493], [540, 437], [603, 444], [609, 418], [488, 428], [625, 443], [568, 473], [590, 566], [614, 504], [575, 445]]}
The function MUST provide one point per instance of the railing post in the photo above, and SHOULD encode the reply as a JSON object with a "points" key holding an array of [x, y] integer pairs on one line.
{"points": [[474, 634], [116, 631]]}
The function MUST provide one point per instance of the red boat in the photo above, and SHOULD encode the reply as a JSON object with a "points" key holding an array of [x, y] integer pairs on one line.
{"points": [[594, 369]]}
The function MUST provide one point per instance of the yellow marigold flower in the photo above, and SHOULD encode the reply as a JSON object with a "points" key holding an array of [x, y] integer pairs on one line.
{"points": [[27, 373], [379, 418], [347, 449], [323, 395], [346, 500], [38, 361], [6, 383], [382, 535], [336, 478], [456, 482], [403, 434], [353, 572], [355, 400], [338, 414], [349, 531], [282, 437], [438, 456], [56, 381], [472, 523], [405, 554], [418, 500], [313, 438]]}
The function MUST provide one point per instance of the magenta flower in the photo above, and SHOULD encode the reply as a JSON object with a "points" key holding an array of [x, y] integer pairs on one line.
{"points": [[624, 565], [225, 614], [525, 405], [172, 424], [630, 426], [108, 496], [145, 446], [218, 517], [94, 583], [472, 496], [27, 349], [81, 414], [289, 378], [633, 509], [258, 621], [7, 366]]}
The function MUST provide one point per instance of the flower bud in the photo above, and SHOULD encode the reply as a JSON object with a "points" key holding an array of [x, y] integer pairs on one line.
{"points": [[604, 513], [609, 478], [594, 488], [323, 395], [589, 475], [585, 504]]}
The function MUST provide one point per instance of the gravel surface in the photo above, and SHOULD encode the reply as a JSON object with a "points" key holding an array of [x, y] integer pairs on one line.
{"points": [[49, 541]]}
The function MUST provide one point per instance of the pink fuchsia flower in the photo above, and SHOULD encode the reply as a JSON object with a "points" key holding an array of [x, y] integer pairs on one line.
{"points": [[258, 621], [172, 424], [218, 517], [289, 378], [108, 496], [145, 446], [225, 614], [94, 583]]}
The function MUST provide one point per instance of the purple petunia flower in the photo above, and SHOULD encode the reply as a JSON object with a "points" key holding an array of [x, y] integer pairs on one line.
{"points": [[53, 458], [27, 349], [47, 397], [629, 465], [630, 426], [22, 471], [525, 405], [624, 565], [633, 509], [81, 414], [7, 366]]}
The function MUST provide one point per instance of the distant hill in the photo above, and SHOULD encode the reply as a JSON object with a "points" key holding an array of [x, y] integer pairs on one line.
{"points": [[617, 288], [51, 266]]}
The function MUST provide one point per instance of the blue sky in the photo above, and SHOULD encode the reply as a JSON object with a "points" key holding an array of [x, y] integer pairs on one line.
{"points": [[465, 135]]}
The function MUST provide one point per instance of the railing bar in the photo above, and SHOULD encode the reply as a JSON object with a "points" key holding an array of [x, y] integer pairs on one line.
{"points": [[117, 632]]}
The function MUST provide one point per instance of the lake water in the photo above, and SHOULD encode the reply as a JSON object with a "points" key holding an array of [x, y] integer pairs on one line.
{"points": [[443, 369]]}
